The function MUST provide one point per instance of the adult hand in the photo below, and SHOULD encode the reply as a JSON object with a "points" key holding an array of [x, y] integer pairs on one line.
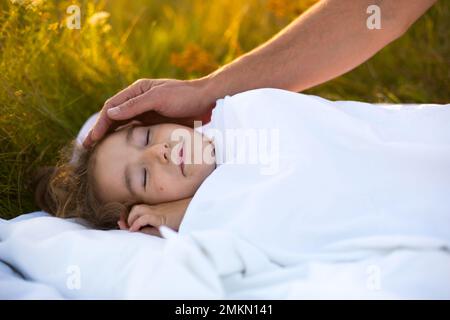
{"points": [[153, 101]]}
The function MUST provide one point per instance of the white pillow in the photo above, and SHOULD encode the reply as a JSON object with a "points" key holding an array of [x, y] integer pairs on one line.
{"points": [[77, 261], [86, 127], [82, 263]]}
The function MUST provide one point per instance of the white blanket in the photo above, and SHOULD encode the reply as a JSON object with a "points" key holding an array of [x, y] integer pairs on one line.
{"points": [[358, 209], [355, 181]]}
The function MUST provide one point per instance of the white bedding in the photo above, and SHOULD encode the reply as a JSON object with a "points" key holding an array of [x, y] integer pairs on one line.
{"points": [[68, 260], [60, 259], [347, 171], [343, 218]]}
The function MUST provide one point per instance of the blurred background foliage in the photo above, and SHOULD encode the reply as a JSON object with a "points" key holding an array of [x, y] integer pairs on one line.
{"points": [[52, 78]]}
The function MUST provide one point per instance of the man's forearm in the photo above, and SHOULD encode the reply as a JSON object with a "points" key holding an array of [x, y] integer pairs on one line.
{"points": [[326, 41]]}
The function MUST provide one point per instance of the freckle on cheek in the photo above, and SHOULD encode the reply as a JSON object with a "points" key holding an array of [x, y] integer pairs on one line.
{"points": [[161, 188]]}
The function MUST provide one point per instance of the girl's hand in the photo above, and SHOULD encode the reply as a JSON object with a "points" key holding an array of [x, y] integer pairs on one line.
{"points": [[147, 218]]}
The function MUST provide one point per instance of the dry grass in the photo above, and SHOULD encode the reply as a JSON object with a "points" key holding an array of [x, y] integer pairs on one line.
{"points": [[52, 78]]}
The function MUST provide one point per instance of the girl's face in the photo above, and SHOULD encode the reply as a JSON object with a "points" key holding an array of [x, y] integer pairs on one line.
{"points": [[146, 164]]}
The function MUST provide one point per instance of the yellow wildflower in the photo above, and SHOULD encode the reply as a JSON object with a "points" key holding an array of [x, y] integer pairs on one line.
{"points": [[99, 18]]}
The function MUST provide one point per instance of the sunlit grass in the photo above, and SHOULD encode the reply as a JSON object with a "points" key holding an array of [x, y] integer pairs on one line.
{"points": [[52, 78]]}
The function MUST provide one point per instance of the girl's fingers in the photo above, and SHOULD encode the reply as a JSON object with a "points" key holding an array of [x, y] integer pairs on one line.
{"points": [[145, 220], [141, 222], [122, 222], [122, 225], [151, 231], [135, 213]]}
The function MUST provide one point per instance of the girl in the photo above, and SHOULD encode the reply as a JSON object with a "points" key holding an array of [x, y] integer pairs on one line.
{"points": [[139, 167]]}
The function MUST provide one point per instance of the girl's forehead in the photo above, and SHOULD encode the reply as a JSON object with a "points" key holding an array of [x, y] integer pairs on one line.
{"points": [[109, 154]]}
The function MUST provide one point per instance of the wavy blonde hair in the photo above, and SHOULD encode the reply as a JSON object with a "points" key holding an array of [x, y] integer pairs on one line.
{"points": [[68, 189]]}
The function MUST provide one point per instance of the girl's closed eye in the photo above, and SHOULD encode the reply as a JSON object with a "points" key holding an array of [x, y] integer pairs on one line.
{"points": [[145, 179], [148, 137], [145, 170]]}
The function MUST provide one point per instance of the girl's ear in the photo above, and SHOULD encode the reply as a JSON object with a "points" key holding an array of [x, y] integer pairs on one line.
{"points": [[131, 123]]}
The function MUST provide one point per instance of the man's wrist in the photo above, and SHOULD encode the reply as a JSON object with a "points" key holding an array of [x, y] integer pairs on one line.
{"points": [[210, 90]]}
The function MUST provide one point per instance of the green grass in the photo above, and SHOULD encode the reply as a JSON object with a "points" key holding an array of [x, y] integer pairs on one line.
{"points": [[52, 78]]}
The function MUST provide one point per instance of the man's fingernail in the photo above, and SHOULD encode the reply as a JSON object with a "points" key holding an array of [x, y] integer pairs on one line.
{"points": [[113, 111], [91, 135]]}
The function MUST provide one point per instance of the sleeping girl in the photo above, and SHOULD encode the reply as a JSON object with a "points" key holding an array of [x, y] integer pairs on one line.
{"points": [[147, 168], [346, 170]]}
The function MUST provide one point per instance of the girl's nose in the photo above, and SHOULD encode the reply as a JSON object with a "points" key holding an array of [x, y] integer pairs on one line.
{"points": [[158, 151]]}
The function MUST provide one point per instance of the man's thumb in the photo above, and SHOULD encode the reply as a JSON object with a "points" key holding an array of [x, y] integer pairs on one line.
{"points": [[133, 107]]}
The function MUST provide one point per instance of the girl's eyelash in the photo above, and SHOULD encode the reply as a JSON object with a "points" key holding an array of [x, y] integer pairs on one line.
{"points": [[145, 178], [145, 170]]}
